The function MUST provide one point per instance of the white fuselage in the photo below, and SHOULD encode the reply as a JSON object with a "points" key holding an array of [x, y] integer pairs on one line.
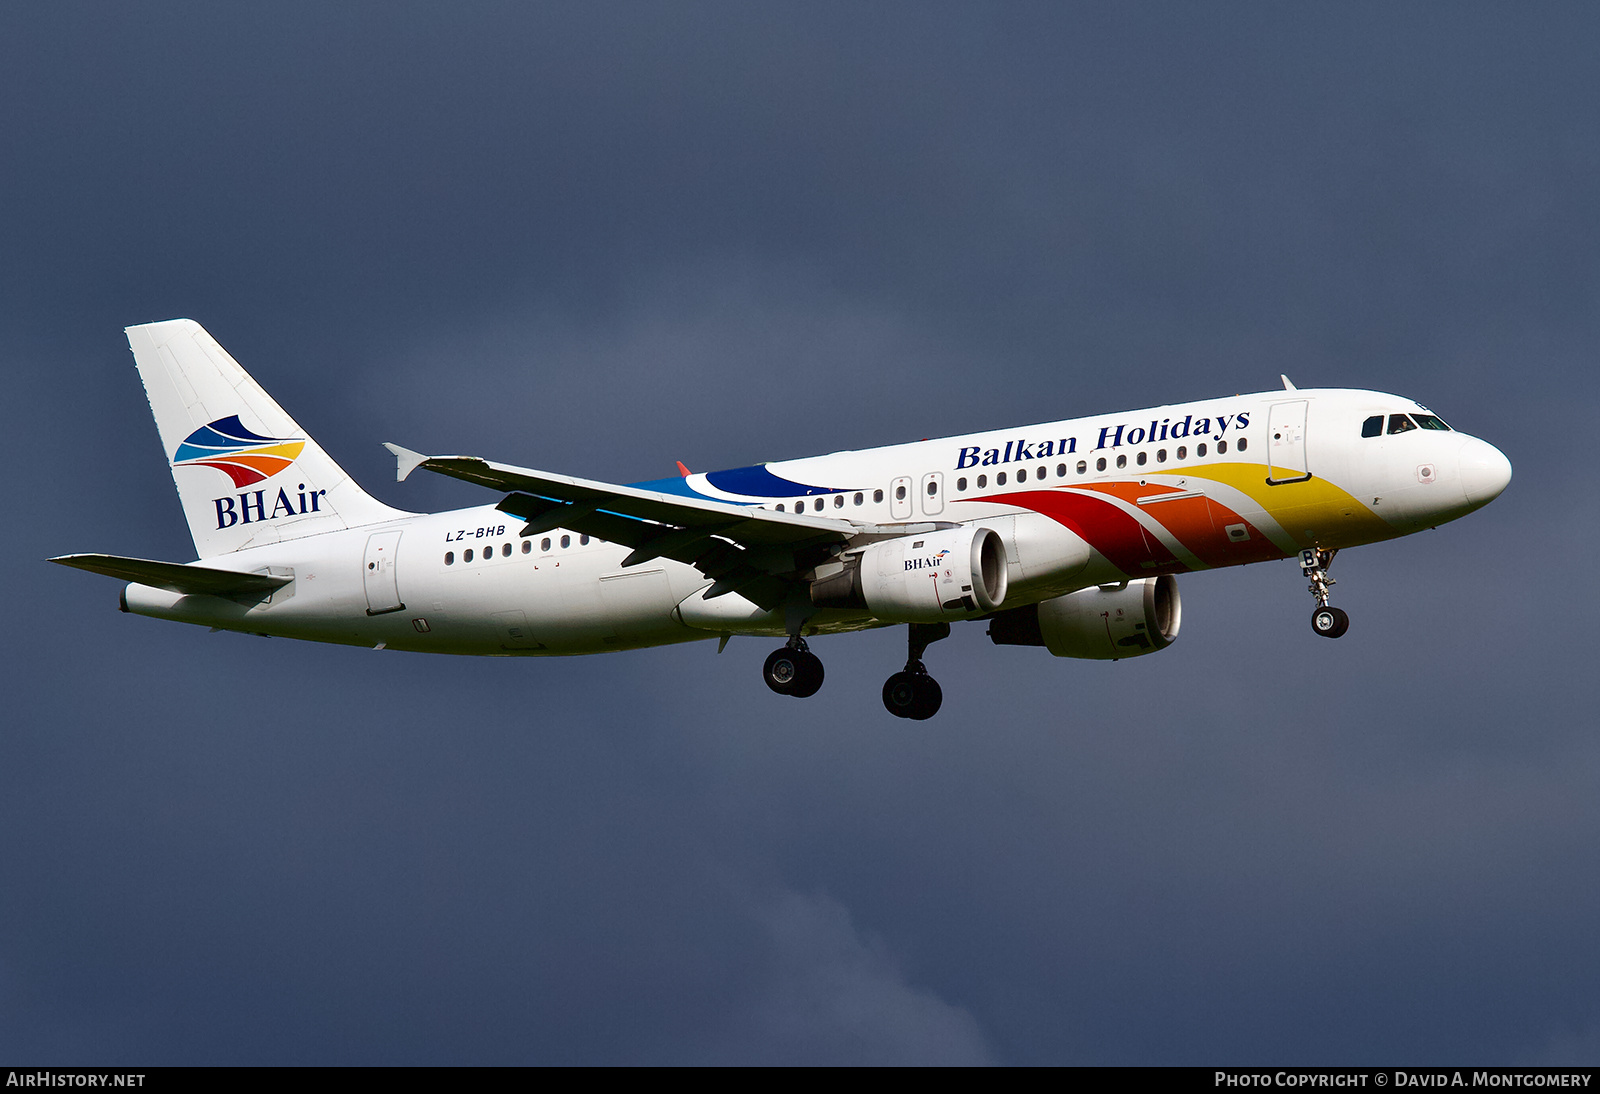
{"points": [[1079, 503]]}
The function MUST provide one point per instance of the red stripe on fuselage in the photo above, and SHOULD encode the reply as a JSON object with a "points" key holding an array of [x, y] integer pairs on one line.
{"points": [[1117, 535]]}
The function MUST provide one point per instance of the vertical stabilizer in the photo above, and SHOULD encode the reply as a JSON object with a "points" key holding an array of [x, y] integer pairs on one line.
{"points": [[246, 473]]}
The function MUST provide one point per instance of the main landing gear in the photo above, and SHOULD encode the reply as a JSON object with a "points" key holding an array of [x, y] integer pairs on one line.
{"points": [[1328, 621], [793, 670], [912, 693]]}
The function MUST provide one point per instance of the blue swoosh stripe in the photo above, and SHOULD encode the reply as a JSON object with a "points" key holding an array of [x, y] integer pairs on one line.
{"points": [[753, 482], [675, 485], [758, 482]]}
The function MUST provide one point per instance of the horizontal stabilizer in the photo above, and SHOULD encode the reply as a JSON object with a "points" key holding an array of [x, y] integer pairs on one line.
{"points": [[176, 577]]}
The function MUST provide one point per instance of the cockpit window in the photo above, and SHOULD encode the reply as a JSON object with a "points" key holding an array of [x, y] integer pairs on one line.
{"points": [[1373, 426], [1428, 421], [1399, 423]]}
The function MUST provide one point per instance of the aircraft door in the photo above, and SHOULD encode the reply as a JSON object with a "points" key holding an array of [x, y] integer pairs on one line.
{"points": [[1286, 443], [900, 499], [933, 493], [378, 575]]}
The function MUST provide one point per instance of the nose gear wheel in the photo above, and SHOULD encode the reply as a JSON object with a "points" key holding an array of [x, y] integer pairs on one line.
{"points": [[1328, 621]]}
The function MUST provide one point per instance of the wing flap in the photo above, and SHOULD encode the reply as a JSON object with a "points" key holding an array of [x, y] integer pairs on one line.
{"points": [[176, 577]]}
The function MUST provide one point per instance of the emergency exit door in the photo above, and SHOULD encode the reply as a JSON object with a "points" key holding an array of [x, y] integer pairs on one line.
{"points": [[378, 576]]}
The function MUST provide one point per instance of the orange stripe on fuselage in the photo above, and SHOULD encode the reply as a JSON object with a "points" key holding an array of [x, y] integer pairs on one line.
{"points": [[1200, 524]]}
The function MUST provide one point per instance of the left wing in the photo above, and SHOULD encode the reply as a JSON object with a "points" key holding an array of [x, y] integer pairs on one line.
{"points": [[755, 552]]}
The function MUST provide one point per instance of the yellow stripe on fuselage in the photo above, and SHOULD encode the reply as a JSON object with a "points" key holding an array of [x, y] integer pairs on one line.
{"points": [[1313, 510]]}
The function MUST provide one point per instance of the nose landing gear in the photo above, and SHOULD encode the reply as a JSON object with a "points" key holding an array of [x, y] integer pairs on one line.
{"points": [[793, 670], [912, 693], [1328, 621]]}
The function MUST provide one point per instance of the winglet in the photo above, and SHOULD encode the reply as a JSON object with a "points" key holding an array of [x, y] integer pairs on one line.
{"points": [[682, 470], [1288, 384], [406, 461]]}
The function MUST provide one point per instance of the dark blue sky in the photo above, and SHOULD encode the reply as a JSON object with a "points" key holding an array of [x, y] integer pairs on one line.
{"points": [[601, 238]]}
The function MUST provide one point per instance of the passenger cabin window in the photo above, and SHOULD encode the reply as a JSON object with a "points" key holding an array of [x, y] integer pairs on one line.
{"points": [[1140, 459], [1244, 443], [449, 558], [1083, 467], [961, 485], [1428, 421], [1399, 423], [1100, 464], [877, 496], [780, 507], [1183, 452], [983, 480], [566, 541], [838, 501], [817, 505], [858, 499], [466, 556], [1200, 450], [1373, 426], [544, 544], [899, 493], [1022, 474], [1000, 479], [933, 488], [1222, 446], [583, 541], [1122, 461]]}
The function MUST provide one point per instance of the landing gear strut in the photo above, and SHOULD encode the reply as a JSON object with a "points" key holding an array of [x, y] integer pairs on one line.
{"points": [[1330, 622], [793, 670], [912, 693]]}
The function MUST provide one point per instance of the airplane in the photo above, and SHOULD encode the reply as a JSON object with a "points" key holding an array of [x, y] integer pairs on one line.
{"points": [[1066, 535]]}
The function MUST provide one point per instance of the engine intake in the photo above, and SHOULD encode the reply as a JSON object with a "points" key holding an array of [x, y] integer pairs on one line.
{"points": [[951, 574], [1106, 623]]}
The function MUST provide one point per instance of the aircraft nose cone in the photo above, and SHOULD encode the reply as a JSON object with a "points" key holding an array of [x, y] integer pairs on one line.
{"points": [[1485, 471]]}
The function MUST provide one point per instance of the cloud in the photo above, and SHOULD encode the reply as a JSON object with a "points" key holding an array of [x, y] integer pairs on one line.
{"points": [[831, 994]]}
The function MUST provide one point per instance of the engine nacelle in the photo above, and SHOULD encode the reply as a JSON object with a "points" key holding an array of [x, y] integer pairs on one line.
{"points": [[956, 573], [1106, 623]]}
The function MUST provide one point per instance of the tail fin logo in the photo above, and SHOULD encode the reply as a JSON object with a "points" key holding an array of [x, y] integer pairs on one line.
{"points": [[243, 456]]}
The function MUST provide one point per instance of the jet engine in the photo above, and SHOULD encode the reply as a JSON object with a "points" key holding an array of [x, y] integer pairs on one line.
{"points": [[1106, 623], [928, 578]]}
